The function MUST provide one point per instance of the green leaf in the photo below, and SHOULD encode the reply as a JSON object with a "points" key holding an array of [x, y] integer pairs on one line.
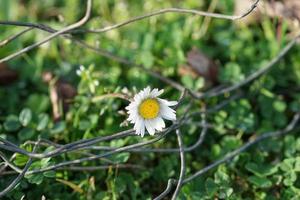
{"points": [[45, 162], [225, 192], [20, 160], [192, 83], [84, 125], [147, 58], [58, 128], [297, 164], [25, 116], [230, 142], [117, 143], [26, 134], [35, 178], [290, 146], [290, 178], [221, 176], [280, 106], [295, 106], [260, 182], [216, 151], [120, 184], [12, 123], [287, 165], [261, 170], [49, 174], [231, 73], [199, 83], [241, 116], [38, 103], [148, 41], [211, 187], [121, 157], [43, 122], [187, 81]]}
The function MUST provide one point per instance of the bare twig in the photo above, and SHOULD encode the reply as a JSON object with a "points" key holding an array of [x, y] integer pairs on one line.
{"points": [[168, 189], [13, 37], [8, 163], [142, 17], [88, 168], [52, 36], [182, 165], [255, 75], [20, 176], [236, 152], [109, 153], [64, 148], [111, 95], [176, 10]]}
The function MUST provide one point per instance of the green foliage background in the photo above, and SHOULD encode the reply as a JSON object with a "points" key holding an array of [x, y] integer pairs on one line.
{"points": [[270, 170]]}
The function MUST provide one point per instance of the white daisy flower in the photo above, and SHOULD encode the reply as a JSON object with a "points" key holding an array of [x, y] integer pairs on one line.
{"points": [[148, 111]]}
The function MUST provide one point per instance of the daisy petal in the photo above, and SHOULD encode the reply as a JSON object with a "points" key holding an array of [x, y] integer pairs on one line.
{"points": [[149, 128], [132, 117], [154, 92], [168, 113], [137, 97], [167, 103], [159, 123], [142, 130], [160, 92], [137, 125], [147, 91]]}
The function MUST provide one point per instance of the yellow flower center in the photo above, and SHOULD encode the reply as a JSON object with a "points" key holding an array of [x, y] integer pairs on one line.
{"points": [[149, 108]]}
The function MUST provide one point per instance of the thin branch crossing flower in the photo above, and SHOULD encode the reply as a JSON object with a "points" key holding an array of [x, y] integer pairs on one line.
{"points": [[147, 111]]}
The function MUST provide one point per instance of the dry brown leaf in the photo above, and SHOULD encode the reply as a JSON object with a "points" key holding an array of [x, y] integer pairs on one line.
{"points": [[60, 92], [7, 76], [285, 9], [66, 90], [199, 64]]}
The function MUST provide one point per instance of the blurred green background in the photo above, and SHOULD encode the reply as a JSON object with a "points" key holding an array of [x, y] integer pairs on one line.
{"points": [[167, 44]]}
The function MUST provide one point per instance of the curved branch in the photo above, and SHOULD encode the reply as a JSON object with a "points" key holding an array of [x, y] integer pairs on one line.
{"points": [[168, 189], [15, 36], [139, 18], [52, 36], [253, 76], [182, 165], [20, 176], [236, 152], [176, 10]]}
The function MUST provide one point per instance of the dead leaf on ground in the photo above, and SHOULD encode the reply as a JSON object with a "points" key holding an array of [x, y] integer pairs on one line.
{"points": [[199, 64], [7, 76], [61, 94], [287, 9]]}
